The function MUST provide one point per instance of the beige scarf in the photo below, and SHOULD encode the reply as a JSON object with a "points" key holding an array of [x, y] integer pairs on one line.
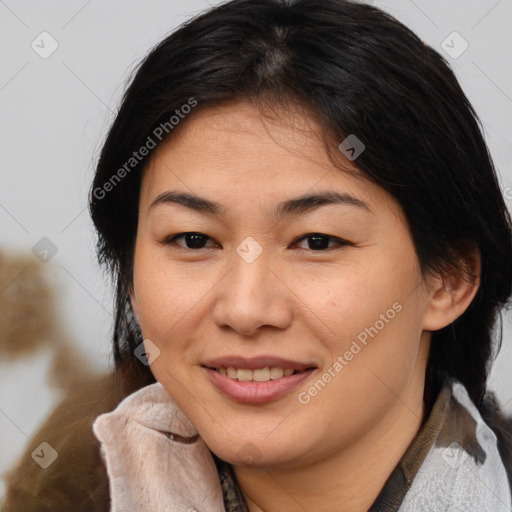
{"points": [[156, 461]]}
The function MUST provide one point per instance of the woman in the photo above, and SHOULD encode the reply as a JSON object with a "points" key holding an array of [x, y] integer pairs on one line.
{"points": [[311, 252]]}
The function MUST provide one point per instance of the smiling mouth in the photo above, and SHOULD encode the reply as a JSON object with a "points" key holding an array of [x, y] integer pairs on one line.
{"points": [[264, 374], [259, 384]]}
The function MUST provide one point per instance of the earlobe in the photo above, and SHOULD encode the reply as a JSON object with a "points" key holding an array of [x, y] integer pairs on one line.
{"points": [[451, 296]]}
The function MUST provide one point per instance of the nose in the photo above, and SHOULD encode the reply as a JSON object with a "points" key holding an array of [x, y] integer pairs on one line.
{"points": [[251, 296]]}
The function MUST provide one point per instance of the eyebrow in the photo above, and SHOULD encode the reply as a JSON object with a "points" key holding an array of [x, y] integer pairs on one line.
{"points": [[296, 206]]}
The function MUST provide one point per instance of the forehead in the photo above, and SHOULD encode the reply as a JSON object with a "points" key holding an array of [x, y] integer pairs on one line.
{"points": [[238, 130], [237, 152]]}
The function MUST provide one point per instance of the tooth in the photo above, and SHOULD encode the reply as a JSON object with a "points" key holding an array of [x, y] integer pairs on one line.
{"points": [[276, 372], [261, 375], [258, 375], [244, 374]]}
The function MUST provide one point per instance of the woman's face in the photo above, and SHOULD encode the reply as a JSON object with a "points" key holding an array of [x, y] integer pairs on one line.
{"points": [[251, 289]]}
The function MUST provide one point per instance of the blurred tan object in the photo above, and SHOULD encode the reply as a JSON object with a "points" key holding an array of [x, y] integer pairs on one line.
{"points": [[26, 306], [29, 322]]}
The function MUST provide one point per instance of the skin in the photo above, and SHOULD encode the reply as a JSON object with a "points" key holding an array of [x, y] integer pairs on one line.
{"points": [[292, 302]]}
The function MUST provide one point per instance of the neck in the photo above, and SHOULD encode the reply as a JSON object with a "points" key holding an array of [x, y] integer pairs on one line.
{"points": [[349, 479]]}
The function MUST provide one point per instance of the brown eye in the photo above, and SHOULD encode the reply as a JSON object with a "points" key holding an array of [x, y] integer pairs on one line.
{"points": [[192, 240], [320, 242]]}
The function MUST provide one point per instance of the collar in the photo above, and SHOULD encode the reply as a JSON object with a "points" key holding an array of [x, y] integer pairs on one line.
{"points": [[154, 457], [452, 464], [156, 461]]}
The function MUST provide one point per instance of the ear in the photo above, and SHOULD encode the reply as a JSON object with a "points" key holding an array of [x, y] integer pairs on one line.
{"points": [[450, 295]]}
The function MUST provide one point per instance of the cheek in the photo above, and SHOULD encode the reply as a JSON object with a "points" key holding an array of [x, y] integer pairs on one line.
{"points": [[165, 295], [368, 318], [371, 363], [351, 298]]}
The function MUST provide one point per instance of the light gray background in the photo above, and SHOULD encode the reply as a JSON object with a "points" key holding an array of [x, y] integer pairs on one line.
{"points": [[54, 116]]}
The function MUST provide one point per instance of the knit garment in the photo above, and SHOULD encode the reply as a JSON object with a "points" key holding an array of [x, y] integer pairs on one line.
{"points": [[156, 461]]}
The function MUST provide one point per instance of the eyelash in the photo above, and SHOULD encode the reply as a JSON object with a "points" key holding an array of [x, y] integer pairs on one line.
{"points": [[171, 241]]}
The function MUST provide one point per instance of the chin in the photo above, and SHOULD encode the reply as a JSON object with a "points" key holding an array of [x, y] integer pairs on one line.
{"points": [[253, 454]]}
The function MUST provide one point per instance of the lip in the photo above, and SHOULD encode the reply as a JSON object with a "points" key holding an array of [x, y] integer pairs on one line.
{"points": [[253, 363], [253, 392]]}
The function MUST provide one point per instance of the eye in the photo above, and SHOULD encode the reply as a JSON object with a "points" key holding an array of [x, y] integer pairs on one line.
{"points": [[195, 241], [320, 242], [192, 239]]}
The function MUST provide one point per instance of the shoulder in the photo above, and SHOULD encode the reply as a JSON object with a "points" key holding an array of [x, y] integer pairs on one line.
{"points": [[501, 425]]}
